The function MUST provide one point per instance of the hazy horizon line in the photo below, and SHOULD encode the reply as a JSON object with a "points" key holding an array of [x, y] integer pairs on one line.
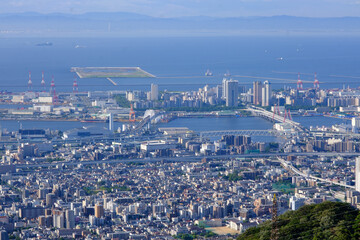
{"points": [[175, 17]]}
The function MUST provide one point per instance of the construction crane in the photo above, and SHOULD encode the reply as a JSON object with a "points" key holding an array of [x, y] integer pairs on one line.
{"points": [[316, 83], [29, 82], [299, 83], [53, 91], [42, 81], [75, 86], [132, 117]]}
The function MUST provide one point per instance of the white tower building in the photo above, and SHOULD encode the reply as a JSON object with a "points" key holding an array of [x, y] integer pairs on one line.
{"points": [[357, 174], [355, 124], [224, 88], [111, 122], [154, 92], [266, 94]]}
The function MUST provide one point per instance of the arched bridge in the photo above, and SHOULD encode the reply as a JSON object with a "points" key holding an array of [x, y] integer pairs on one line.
{"points": [[271, 116], [148, 120]]}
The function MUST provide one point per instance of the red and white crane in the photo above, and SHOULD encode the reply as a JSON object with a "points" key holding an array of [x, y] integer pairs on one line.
{"points": [[75, 86], [29, 82], [316, 82], [299, 83], [42, 81]]}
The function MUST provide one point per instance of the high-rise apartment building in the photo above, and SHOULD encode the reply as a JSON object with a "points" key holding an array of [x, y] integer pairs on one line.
{"points": [[357, 174], [4, 235], [99, 211], [266, 94], [154, 92], [70, 219], [219, 91], [58, 220], [355, 123], [257, 92], [111, 122], [224, 88], [50, 198], [232, 88]]}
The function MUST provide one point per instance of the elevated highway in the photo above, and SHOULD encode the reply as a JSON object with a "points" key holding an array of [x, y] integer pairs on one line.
{"points": [[289, 166], [183, 159], [268, 132], [147, 120], [334, 134]]}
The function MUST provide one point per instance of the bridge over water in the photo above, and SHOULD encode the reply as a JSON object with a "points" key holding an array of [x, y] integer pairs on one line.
{"points": [[274, 117], [147, 120]]}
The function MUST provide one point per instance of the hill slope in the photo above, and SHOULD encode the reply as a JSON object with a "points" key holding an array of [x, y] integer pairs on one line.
{"points": [[328, 220]]}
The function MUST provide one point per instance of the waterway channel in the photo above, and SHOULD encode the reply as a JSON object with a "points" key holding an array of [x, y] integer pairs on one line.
{"points": [[195, 124]]}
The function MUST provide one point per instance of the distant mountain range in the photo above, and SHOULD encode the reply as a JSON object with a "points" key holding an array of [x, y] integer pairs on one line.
{"points": [[130, 24]]}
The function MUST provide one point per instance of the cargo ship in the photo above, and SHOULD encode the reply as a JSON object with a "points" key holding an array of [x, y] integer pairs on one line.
{"points": [[45, 44], [208, 73]]}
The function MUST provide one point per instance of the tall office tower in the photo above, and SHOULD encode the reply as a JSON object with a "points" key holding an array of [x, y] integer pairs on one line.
{"points": [[224, 88], [257, 91], [99, 211], [266, 94], [357, 174], [154, 92], [232, 93]]}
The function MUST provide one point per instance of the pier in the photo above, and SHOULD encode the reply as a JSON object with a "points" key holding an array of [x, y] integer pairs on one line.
{"points": [[112, 81]]}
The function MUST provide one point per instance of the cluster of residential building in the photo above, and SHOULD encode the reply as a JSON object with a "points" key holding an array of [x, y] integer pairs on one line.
{"points": [[161, 200], [144, 182]]}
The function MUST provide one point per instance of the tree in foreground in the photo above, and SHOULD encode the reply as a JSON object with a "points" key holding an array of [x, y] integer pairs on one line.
{"points": [[328, 220]]}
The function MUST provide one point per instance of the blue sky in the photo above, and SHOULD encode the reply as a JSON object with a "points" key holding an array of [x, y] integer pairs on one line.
{"points": [[176, 8]]}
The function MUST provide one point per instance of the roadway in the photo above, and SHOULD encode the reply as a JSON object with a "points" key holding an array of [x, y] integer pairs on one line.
{"points": [[247, 132], [140, 126], [288, 165], [181, 159], [270, 115]]}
